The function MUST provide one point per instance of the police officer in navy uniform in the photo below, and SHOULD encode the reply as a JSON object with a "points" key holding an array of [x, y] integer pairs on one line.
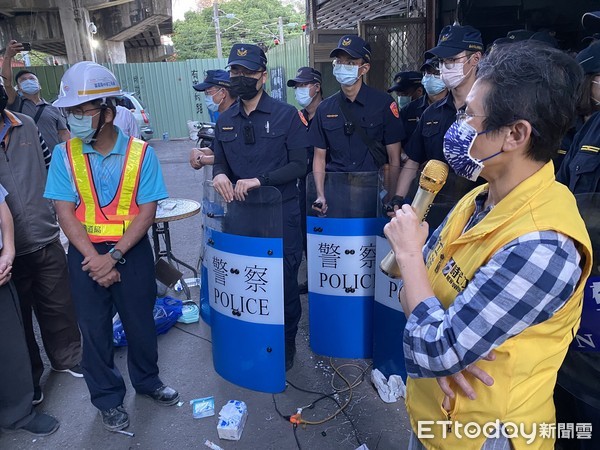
{"points": [[338, 146], [435, 90], [408, 88], [309, 94], [217, 98], [261, 141], [459, 50]]}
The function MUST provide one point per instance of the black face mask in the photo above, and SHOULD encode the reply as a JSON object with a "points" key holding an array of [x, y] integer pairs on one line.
{"points": [[3, 99], [244, 87]]}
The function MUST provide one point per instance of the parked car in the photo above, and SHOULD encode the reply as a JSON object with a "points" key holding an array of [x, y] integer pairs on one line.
{"points": [[142, 117]]}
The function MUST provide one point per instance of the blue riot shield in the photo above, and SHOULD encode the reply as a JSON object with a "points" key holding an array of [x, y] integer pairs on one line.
{"points": [[388, 316], [212, 215], [341, 264], [244, 279], [587, 338]]}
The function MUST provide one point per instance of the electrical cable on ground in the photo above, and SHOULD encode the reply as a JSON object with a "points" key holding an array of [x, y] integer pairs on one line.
{"points": [[296, 419]]}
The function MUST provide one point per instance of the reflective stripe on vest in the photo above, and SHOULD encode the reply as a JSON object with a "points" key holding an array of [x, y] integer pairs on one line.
{"points": [[108, 223]]}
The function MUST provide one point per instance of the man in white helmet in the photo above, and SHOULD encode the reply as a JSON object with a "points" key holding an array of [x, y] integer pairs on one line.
{"points": [[110, 184]]}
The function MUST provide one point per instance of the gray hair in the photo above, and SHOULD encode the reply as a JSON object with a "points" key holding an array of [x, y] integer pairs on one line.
{"points": [[533, 82]]}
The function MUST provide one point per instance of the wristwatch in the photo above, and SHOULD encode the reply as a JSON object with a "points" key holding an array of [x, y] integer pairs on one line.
{"points": [[116, 254]]}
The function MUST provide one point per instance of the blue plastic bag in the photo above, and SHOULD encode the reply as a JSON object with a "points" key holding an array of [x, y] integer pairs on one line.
{"points": [[166, 312]]}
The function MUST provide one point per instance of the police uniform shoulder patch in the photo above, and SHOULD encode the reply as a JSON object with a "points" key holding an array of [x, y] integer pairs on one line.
{"points": [[394, 108], [302, 118]]}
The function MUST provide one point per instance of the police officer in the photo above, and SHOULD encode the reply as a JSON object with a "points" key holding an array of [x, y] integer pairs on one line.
{"points": [[218, 98], [407, 86], [435, 89], [459, 50], [308, 93], [261, 141], [105, 186], [339, 144]]}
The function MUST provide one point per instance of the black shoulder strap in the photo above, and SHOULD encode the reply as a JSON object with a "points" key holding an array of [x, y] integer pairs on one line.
{"points": [[39, 112]]}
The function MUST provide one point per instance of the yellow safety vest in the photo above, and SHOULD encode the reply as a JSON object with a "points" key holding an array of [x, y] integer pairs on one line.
{"points": [[108, 223]]}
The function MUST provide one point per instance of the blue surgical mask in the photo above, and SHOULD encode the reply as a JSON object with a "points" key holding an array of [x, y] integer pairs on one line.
{"points": [[82, 128], [210, 103], [345, 74], [404, 100], [30, 86], [458, 141], [433, 84], [303, 97]]}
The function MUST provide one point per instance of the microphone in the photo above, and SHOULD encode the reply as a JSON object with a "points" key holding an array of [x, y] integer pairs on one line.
{"points": [[433, 178]]}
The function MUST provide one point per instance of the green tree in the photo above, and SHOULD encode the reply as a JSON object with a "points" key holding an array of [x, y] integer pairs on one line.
{"points": [[255, 22]]}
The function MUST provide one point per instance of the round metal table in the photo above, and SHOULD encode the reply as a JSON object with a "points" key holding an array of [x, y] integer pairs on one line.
{"points": [[170, 210]]}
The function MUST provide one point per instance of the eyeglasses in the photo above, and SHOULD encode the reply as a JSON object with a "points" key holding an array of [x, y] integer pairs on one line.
{"points": [[449, 63], [79, 113], [212, 91], [242, 71], [346, 62], [461, 116]]}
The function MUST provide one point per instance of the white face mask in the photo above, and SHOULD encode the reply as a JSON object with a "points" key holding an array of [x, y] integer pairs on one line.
{"points": [[303, 97], [453, 77], [346, 75]]}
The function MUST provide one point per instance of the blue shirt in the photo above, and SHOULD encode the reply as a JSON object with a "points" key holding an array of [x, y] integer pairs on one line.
{"points": [[106, 172], [427, 141], [276, 131], [375, 111]]}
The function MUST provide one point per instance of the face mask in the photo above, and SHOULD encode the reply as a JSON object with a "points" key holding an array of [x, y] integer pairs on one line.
{"points": [[453, 77], [458, 141], [244, 87], [346, 75], [404, 100], [433, 85], [82, 128], [30, 86], [303, 97], [210, 103]]}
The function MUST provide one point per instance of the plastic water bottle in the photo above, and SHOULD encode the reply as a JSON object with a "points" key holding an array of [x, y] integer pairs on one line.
{"points": [[166, 136]]}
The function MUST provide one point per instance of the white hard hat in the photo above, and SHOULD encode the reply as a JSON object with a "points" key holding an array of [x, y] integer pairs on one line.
{"points": [[84, 82]]}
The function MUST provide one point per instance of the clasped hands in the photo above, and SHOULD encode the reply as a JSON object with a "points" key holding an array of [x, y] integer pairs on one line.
{"points": [[101, 269]]}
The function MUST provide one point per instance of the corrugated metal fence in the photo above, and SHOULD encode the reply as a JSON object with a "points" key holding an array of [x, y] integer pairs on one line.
{"points": [[165, 88], [283, 62]]}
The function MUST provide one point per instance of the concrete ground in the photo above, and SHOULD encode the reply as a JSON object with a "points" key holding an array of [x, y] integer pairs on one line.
{"points": [[185, 360]]}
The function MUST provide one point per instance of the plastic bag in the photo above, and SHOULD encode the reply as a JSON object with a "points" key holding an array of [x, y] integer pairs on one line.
{"points": [[166, 312]]}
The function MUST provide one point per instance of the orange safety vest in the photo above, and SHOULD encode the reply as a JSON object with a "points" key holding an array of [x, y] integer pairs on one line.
{"points": [[107, 223]]}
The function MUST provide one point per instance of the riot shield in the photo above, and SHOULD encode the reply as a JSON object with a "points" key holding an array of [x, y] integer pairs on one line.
{"points": [[388, 317], [588, 336], [341, 264], [213, 211], [244, 278]]}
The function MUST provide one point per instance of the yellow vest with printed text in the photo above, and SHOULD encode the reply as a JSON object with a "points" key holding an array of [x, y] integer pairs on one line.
{"points": [[526, 365], [106, 223]]}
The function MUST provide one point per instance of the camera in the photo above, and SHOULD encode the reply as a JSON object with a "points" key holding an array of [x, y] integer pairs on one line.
{"points": [[249, 134], [26, 46], [348, 128]]}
